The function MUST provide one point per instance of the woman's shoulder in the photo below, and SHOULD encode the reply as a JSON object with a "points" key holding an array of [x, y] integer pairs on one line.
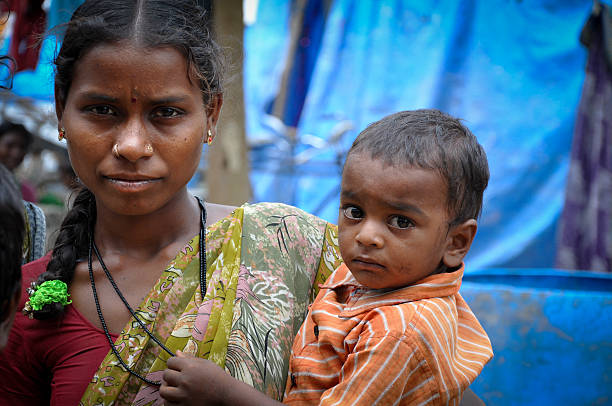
{"points": [[280, 210], [216, 212], [31, 270]]}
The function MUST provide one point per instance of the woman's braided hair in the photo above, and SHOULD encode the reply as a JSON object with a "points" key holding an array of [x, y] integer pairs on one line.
{"points": [[70, 246], [180, 24]]}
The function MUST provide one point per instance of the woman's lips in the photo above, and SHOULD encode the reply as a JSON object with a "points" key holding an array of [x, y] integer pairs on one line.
{"points": [[134, 184]]}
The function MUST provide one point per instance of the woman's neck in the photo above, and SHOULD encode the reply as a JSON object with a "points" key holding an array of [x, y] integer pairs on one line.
{"points": [[146, 235]]}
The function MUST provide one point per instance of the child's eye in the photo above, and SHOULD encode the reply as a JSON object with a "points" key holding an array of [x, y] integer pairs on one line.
{"points": [[167, 112], [352, 212], [400, 222], [102, 110]]}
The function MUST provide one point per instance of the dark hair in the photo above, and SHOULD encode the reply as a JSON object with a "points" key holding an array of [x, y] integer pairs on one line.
{"points": [[430, 139], [10, 127], [180, 24], [12, 229]]}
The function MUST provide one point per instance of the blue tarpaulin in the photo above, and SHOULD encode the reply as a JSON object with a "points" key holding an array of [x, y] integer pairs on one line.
{"points": [[540, 322], [512, 70]]}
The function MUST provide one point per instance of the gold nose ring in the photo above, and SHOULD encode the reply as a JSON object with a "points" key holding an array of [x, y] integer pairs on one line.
{"points": [[116, 151], [149, 149]]}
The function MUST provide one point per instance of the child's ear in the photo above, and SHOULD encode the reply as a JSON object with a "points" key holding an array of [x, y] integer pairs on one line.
{"points": [[458, 242]]}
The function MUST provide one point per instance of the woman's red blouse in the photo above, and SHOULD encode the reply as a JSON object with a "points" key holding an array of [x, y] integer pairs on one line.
{"points": [[49, 362]]}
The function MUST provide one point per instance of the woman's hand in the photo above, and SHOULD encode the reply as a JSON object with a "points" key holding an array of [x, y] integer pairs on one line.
{"points": [[196, 381]]}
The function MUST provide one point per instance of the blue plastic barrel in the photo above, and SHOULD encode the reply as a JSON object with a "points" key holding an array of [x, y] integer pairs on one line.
{"points": [[551, 333]]}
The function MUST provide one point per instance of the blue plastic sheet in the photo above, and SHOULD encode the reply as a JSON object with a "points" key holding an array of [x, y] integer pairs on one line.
{"points": [[37, 84], [550, 331], [511, 69]]}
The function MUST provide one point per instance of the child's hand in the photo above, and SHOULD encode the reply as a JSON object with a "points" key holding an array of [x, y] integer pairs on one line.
{"points": [[194, 381]]}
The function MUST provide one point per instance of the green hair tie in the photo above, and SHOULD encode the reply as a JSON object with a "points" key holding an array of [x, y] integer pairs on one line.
{"points": [[54, 291]]}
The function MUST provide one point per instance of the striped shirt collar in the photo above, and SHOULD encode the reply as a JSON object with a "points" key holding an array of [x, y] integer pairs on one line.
{"points": [[363, 299]]}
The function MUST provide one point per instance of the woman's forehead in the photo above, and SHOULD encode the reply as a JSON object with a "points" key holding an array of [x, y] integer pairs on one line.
{"points": [[120, 54], [121, 67]]}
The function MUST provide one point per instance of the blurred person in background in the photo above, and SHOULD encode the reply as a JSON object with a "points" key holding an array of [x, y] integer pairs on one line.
{"points": [[15, 140], [14, 143], [22, 224]]}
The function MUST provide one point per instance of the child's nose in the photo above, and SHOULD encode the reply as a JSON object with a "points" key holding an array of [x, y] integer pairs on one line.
{"points": [[370, 234]]}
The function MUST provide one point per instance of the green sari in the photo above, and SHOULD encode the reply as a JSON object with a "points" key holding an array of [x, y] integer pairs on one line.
{"points": [[265, 262]]}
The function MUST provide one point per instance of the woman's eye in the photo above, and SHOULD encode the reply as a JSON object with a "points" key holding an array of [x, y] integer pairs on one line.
{"points": [[166, 112], [102, 110], [400, 222], [352, 212]]}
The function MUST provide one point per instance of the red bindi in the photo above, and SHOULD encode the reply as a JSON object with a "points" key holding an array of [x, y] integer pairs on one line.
{"points": [[133, 100]]}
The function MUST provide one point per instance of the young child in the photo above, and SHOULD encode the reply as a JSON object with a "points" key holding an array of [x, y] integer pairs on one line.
{"points": [[389, 326], [12, 231]]}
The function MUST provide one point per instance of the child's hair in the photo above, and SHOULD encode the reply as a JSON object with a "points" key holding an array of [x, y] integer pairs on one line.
{"points": [[12, 229], [179, 24], [430, 139]]}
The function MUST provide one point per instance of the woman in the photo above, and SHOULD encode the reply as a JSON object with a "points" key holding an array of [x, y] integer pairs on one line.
{"points": [[138, 91]]}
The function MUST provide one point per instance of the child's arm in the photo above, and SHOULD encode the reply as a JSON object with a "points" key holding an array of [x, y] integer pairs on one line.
{"points": [[195, 381]]}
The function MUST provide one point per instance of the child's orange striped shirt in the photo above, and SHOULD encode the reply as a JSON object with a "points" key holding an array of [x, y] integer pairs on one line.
{"points": [[417, 345]]}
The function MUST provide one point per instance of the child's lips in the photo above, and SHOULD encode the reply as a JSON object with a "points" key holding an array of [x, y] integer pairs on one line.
{"points": [[367, 263]]}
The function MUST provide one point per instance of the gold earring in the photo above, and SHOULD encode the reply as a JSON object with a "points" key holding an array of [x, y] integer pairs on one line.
{"points": [[210, 137], [148, 149], [116, 151], [61, 134]]}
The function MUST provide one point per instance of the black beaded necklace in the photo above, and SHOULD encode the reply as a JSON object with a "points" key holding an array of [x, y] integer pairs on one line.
{"points": [[94, 248]]}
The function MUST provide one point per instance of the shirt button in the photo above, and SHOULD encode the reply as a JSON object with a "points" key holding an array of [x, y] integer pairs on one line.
{"points": [[316, 331], [293, 380]]}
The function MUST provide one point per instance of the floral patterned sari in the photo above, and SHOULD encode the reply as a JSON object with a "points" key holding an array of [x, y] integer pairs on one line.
{"points": [[265, 262]]}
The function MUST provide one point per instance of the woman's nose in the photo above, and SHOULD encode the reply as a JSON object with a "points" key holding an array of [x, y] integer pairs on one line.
{"points": [[370, 234], [133, 142]]}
